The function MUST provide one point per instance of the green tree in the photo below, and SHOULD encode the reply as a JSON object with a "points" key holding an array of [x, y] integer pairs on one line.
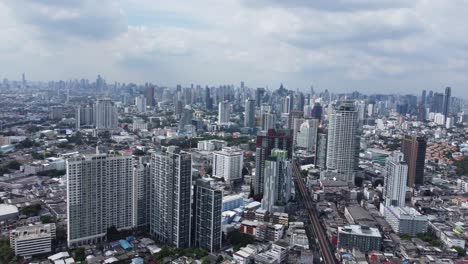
{"points": [[46, 219], [31, 210], [6, 253], [80, 254], [238, 239], [461, 251]]}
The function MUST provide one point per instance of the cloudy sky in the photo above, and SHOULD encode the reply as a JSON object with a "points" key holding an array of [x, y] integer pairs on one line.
{"points": [[342, 45]]}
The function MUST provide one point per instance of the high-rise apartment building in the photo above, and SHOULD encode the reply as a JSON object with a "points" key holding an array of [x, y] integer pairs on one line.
{"points": [[98, 196], [140, 103], [447, 98], [321, 152], [224, 112], [106, 116], [149, 94], [343, 141], [249, 114], [395, 178], [266, 142], [307, 135], [141, 183], [277, 189], [268, 121], [171, 182], [207, 216], [228, 164], [414, 149]]}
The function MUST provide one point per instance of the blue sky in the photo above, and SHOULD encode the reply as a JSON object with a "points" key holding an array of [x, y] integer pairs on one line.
{"points": [[343, 45]]}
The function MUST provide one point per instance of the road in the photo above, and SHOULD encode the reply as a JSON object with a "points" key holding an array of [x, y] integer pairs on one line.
{"points": [[323, 242]]}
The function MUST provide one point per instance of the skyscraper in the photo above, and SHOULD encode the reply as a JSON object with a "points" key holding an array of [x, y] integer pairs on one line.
{"points": [[106, 116], [307, 136], [249, 114], [171, 182], [437, 104], [288, 104], [259, 93], [277, 189], [266, 142], [414, 149], [268, 121], [208, 203], [224, 112], [448, 94], [150, 101], [140, 103], [395, 178], [98, 196], [343, 141], [141, 183]]}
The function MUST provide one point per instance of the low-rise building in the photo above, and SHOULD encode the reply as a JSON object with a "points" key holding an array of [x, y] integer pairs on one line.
{"points": [[363, 238], [406, 220], [32, 240]]}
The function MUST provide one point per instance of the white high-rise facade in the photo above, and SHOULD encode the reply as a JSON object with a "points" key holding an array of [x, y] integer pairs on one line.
{"points": [[141, 183], [277, 190], [228, 163], [268, 121], [249, 114], [171, 182], [224, 112], [307, 135], [106, 115], [140, 103], [396, 174], [343, 141], [98, 196]]}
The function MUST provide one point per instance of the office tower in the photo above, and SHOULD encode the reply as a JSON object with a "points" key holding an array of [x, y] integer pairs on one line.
{"points": [[140, 103], [266, 142], [437, 105], [207, 215], [423, 98], [23, 80], [150, 101], [249, 114], [186, 118], [208, 99], [307, 136], [259, 93], [295, 128], [187, 96], [171, 182], [361, 110], [448, 93], [317, 111], [141, 182], [421, 112], [414, 149], [343, 141], [395, 178], [106, 116], [228, 164], [268, 121], [321, 155], [291, 117], [288, 104], [27, 241], [277, 189], [224, 112], [98, 196], [300, 102]]}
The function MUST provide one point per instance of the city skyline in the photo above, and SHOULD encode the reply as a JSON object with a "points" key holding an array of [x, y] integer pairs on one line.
{"points": [[368, 46]]}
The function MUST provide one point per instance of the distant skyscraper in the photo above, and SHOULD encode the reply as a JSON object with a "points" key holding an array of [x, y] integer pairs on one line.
{"points": [[171, 182], [259, 93], [317, 111], [208, 203], [307, 136], [288, 104], [150, 101], [224, 112], [448, 94], [268, 121], [266, 142], [140, 103], [141, 183], [423, 97], [321, 155], [98, 196], [437, 105], [277, 189], [23, 80], [106, 116], [249, 114], [414, 149], [343, 141], [395, 178]]}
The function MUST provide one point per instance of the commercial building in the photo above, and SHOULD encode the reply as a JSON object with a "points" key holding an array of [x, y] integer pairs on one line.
{"points": [[406, 220], [414, 149], [228, 164], [343, 141], [99, 195], [396, 173], [27, 241], [363, 238], [171, 182], [277, 190], [207, 214]]}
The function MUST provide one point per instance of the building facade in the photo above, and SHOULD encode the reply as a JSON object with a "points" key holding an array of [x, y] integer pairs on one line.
{"points": [[414, 149], [277, 190], [27, 241], [363, 238], [228, 164], [396, 174]]}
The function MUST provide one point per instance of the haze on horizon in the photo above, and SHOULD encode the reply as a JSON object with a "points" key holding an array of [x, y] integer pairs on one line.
{"points": [[367, 45]]}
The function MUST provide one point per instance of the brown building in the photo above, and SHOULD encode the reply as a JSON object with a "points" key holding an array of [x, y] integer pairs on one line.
{"points": [[414, 148]]}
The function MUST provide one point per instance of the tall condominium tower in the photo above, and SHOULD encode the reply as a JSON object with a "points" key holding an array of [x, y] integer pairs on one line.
{"points": [[140, 103], [141, 183], [448, 94], [171, 182], [266, 142], [249, 114], [98, 196], [149, 94], [343, 141], [414, 149], [277, 190], [396, 174], [307, 135], [207, 216], [228, 164], [268, 121], [106, 116], [224, 112]]}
